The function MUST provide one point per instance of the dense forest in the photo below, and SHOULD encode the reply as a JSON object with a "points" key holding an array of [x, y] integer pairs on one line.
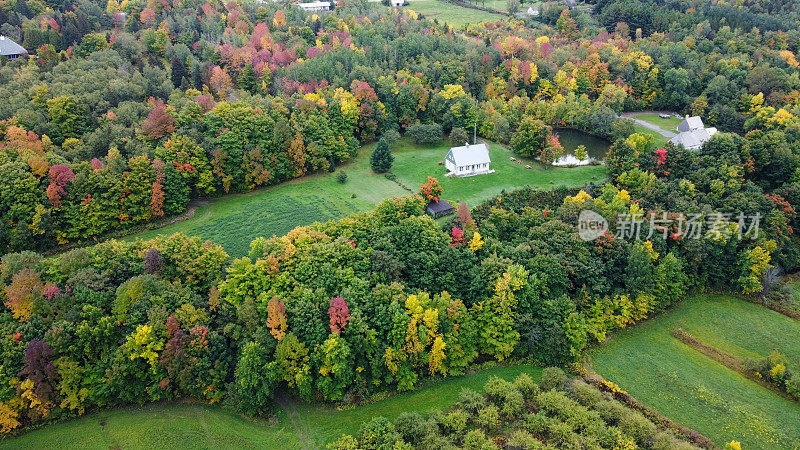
{"points": [[128, 110]]}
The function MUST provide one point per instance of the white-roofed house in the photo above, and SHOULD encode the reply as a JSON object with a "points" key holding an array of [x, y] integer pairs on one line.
{"points": [[315, 6], [692, 134], [533, 11], [10, 49], [468, 160]]}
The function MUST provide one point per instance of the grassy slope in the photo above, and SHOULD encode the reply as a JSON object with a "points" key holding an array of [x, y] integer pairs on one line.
{"points": [[234, 221], [670, 124], [454, 15], [413, 164], [199, 426], [694, 390]]}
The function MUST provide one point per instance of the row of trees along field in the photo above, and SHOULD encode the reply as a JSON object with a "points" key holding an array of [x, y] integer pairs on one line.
{"points": [[130, 109], [342, 310]]}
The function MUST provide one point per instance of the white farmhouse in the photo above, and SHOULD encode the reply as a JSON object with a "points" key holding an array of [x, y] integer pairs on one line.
{"points": [[468, 160], [692, 134], [315, 6], [10, 49]]}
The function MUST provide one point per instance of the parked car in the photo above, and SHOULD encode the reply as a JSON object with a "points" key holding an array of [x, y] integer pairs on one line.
{"points": [[664, 116]]}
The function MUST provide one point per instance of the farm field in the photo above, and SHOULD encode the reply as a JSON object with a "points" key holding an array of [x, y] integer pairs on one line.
{"points": [[456, 16], [670, 124], [234, 221], [695, 390], [201, 426]]}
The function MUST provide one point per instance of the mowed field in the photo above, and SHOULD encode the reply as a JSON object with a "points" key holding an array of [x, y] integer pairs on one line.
{"points": [[456, 16], [696, 391], [670, 124], [200, 426], [234, 221]]}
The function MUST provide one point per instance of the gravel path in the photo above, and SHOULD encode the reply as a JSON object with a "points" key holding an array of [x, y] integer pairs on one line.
{"points": [[648, 125]]}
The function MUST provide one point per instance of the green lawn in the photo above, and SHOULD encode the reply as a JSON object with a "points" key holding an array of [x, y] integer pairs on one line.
{"points": [[670, 124], [234, 221], [199, 426], [454, 15], [658, 139], [413, 164], [698, 392]]}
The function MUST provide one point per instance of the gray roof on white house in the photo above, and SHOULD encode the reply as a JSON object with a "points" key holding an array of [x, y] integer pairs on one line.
{"points": [[469, 154], [8, 47], [690, 123], [693, 139]]}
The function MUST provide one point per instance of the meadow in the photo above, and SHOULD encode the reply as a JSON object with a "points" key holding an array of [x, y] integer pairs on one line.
{"points": [[669, 124], [456, 16], [201, 426], [696, 391], [234, 221]]}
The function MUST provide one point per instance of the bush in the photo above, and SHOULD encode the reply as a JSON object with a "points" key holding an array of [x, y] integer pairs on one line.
{"points": [[488, 417], [425, 133], [561, 434], [497, 389], [611, 411], [536, 423], [455, 421], [341, 177], [667, 441], [391, 137], [793, 386], [378, 433], [552, 378], [412, 427], [522, 440], [458, 136], [637, 426], [584, 393], [471, 401], [477, 440], [513, 404], [526, 386]]}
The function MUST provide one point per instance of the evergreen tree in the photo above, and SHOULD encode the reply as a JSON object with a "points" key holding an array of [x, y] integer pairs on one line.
{"points": [[178, 72], [381, 158], [248, 79]]}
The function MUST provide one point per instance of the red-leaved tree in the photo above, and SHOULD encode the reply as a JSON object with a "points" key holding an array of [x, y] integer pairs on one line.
{"points": [[339, 313]]}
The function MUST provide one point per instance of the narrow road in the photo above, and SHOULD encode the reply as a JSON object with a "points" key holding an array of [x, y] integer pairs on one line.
{"points": [[648, 125], [291, 412]]}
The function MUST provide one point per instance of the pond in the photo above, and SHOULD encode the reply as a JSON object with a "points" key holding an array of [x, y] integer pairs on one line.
{"points": [[596, 147]]}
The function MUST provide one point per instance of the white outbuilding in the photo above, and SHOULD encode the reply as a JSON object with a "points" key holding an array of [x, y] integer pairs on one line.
{"points": [[468, 160], [315, 6]]}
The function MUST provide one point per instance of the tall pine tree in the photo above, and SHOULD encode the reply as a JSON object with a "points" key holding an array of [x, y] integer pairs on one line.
{"points": [[381, 158]]}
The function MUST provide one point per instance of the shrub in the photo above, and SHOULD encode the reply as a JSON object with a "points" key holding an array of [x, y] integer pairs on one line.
{"points": [[477, 440], [611, 411], [522, 440], [378, 433], [488, 417], [526, 386], [513, 404], [425, 133], [458, 136], [346, 442], [391, 137], [497, 388], [341, 177], [665, 440], [471, 401], [536, 423], [561, 434], [584, 393], [637, 426], [455, 421], [412, 427], [552, 378], [793, 386]]}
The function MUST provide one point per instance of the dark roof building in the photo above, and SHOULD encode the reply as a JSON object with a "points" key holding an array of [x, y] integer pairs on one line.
{"points": [[10, 49], [439, 209]]}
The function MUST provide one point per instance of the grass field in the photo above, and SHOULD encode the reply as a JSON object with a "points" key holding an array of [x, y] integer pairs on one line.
{"points": [[456, 16], [235, 220], [199, 426], [413, 164], [696, 391], [658, 139], [670, 124]]}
